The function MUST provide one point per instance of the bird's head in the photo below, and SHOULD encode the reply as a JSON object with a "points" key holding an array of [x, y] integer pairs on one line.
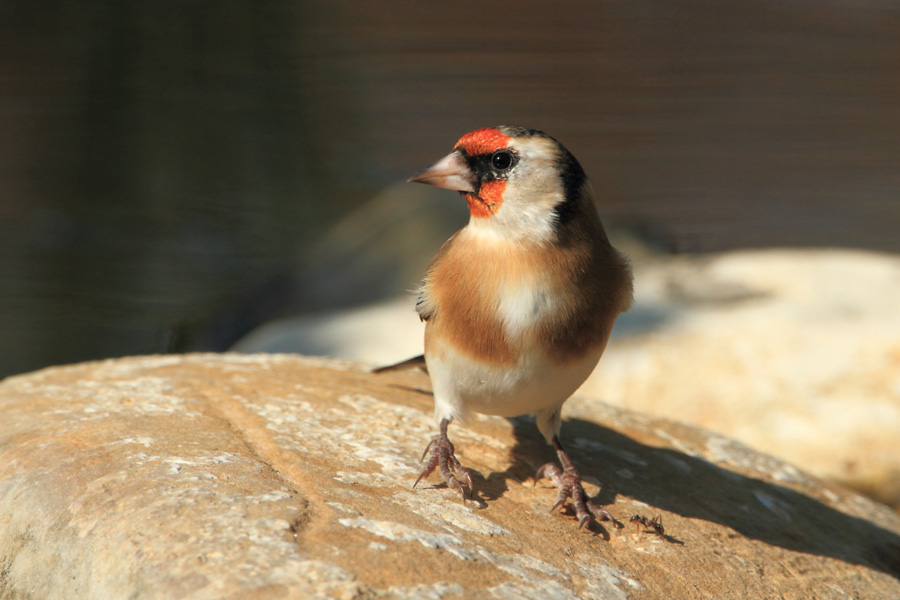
{"points": [[518, 182]]}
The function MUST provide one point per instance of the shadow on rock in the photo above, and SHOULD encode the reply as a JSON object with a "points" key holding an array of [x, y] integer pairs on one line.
{"points": [[696, 488]]}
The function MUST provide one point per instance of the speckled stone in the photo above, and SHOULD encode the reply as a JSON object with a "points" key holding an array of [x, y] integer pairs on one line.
{"points": [[273, 476]]}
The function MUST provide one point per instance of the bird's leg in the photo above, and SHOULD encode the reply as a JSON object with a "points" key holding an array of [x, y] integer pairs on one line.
{"points": [[441, 451], [568, 481]]}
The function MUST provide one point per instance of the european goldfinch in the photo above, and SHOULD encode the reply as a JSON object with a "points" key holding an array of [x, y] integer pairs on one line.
{"points": [[518, 304]]}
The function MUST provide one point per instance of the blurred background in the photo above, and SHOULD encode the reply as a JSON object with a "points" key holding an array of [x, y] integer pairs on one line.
{"points": [[174, 175]]}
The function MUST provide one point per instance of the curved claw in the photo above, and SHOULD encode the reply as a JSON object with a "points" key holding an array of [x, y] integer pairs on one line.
{"points": [[428, 448], [425, 473], [560, 501], [459, 470], [453, 482], [604, 515], [431, 464]]}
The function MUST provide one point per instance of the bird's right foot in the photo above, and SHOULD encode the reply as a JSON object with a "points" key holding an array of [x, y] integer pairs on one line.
{"points": [[568, 481]]}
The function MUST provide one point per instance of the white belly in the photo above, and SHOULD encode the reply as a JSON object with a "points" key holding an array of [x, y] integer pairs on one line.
{"points": [[462, 386]]}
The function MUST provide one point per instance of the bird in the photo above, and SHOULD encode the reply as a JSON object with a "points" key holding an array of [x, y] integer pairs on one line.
{"points": [[519, 304]]}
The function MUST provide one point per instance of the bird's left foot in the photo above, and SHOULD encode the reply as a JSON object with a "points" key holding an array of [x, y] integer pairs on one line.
{"points": [[568, 481], [442, 455]]}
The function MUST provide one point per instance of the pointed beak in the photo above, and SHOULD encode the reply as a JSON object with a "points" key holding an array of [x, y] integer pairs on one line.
{"points": [[451, 172]]}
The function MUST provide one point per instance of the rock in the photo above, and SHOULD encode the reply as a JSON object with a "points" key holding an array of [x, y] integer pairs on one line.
{"points": [[793, 352], [796, 353], [272, 476]]}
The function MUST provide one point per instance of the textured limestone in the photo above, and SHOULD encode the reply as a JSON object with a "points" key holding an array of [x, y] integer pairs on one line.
{"points": [[796, 353], [269, 476]]}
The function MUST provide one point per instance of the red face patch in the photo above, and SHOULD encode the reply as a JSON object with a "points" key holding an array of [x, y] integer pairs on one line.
{"points": [[482, 141], [490, 194], [488, 201]]}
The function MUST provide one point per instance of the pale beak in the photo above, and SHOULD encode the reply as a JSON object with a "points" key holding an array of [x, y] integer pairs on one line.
{"points": [[451, 172]]}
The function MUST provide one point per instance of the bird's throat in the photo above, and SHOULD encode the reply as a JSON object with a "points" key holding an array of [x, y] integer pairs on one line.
{"points": [[487, 201]]}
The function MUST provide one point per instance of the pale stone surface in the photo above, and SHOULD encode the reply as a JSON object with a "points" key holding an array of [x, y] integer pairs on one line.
{"points": [[794, 352], [269, 476]]}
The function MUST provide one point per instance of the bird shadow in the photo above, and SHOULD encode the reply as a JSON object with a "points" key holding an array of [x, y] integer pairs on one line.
{"points": [[696, 488]]}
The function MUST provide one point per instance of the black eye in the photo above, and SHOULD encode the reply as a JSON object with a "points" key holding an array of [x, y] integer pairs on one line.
{"points": [[501, 160]]}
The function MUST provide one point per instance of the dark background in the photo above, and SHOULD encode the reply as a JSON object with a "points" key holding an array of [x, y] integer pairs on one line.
{"points": [[168, 170]]}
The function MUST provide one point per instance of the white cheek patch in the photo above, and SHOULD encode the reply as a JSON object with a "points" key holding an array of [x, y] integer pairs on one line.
{"points": [[533, 189], [527, 219]]}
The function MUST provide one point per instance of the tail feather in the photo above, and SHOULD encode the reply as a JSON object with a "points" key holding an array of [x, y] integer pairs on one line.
{"points": [[409, 363]]}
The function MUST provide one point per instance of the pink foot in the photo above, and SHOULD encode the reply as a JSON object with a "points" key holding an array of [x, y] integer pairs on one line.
{"points": [[568, 481], [441, 450]]}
